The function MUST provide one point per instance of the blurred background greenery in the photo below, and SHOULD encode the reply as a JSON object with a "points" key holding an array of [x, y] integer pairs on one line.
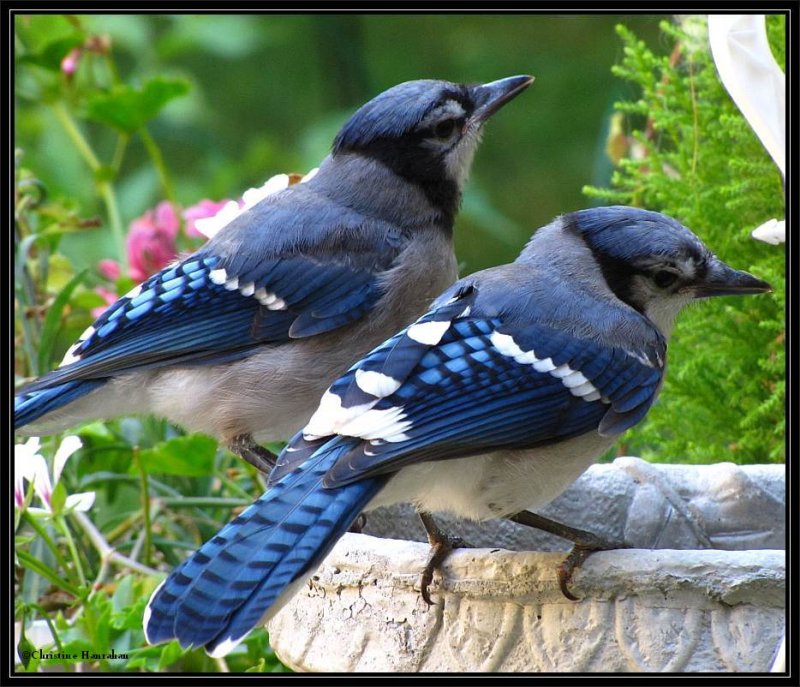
{"points": [[269, 92]]}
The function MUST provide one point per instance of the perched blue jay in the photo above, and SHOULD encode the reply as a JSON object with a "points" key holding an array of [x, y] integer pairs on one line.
{"points": [[240, 339], [512, 384]]}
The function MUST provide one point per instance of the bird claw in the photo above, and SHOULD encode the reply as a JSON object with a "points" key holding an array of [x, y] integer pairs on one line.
{"points": [[247, 449], [358, 524], [580, 552], [440, 550]]}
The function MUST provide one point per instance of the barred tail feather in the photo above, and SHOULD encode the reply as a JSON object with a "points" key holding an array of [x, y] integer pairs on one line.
{"points": [[30, 406], [228, 586]]}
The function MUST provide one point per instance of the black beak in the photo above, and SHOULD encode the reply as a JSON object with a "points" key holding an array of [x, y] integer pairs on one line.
{"points": [[721, 280], [490, 97]]}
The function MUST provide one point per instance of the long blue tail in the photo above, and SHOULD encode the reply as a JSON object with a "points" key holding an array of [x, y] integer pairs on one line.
{"points": [[222, 591], [31, 405]]}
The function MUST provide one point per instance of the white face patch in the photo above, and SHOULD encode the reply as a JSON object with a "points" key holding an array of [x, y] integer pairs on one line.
{"points": [[458, 160], [376, 383], [659, 307], [428, 333], [573, 380]]}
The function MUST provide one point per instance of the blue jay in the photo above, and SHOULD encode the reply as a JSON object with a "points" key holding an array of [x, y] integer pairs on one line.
{"points": [[240, 339], [494, 401]]}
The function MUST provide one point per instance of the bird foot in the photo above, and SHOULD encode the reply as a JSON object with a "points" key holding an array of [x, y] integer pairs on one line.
{"points": [[585, 544], [359, 524], [575, 559], [247, 449], [441, 547]]}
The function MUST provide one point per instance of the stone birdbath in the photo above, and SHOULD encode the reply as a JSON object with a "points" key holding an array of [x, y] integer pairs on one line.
{"points": [[704, 589]]}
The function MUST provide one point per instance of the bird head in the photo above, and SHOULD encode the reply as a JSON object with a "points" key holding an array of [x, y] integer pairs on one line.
{"points": [[427, 131], [655, 264]]}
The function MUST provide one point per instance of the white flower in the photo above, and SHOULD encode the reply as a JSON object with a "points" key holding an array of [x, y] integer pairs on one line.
{"points": [[772, 231], [30, 466]]}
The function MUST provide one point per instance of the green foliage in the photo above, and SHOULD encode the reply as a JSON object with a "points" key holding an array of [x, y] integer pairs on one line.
{"points": [[693, 156], [128, 109], [192, 456]]}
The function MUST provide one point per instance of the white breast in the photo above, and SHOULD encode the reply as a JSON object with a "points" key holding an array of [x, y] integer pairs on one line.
{"points": [[495, 484]]}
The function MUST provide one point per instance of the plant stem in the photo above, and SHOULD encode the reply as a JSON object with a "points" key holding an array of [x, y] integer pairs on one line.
{"points": [[76, 136], [123, 527], [104, 548], [119, 152], [26, 289], [115, 220], [104, 187], [62, 525], [46, 617], [158, 160], [148, 543], [45, 537]]}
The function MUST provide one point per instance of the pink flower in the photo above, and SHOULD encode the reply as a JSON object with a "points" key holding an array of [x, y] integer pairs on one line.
{"points": [[70, 62], [202, 210], [151, 241], [109, 269]]}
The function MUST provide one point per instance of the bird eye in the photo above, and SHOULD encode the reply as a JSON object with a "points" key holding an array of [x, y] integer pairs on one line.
{"points": [[445, 128], [664, 278]]}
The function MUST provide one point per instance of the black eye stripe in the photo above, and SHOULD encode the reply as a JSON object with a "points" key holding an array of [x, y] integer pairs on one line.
{"points": [[445, 128], [664, 278]]}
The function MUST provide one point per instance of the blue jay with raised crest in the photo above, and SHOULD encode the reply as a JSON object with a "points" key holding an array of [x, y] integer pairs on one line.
{"points": [[493, 402], [240, 339]]}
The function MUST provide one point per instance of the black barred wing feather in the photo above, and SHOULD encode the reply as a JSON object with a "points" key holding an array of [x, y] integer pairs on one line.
{"points": [[199, 312], [477, 384]]}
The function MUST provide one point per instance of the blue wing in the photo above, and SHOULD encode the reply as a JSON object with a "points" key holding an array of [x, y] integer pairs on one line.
{"points": [[466, 379], [277, 274]]}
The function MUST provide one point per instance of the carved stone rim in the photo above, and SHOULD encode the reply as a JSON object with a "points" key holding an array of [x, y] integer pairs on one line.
{"points": [[497, 610], [728, 577]]}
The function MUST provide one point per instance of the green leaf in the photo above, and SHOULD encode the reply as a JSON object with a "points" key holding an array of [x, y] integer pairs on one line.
{"points": [[25, 649], [50, 56], [59, 269], [128, 109], [86, 300], [191, 456], [45, 571], [58, 499], [171, 653], [128, 603], [52, 322], [260, 667]]}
